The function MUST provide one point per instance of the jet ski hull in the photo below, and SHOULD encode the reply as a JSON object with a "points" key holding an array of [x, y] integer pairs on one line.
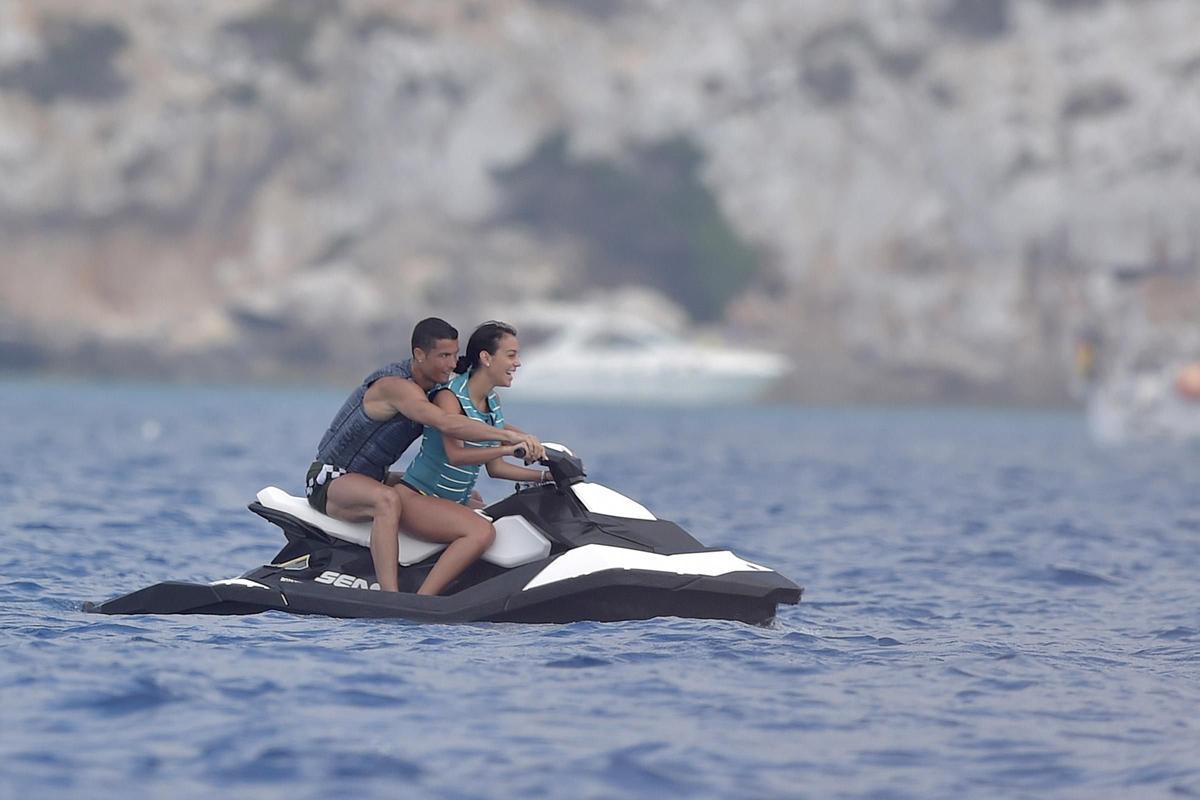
{"points": [[607, 596]]}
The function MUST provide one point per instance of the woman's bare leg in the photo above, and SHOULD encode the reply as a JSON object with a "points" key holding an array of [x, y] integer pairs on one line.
{"points": [[357, 498], [436, 520]]}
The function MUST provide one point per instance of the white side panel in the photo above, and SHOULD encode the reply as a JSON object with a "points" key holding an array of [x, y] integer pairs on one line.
{"points": [[603, 500], [517, 540], [599, 557]]}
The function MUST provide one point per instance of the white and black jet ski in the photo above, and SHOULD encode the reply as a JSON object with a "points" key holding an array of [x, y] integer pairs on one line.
{"points": [[565, 550]]}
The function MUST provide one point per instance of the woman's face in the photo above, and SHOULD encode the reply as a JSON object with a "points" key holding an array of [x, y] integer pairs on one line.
{"points": [[501, 364]]}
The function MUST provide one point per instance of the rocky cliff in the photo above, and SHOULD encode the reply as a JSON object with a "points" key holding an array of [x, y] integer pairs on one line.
{"points": [[916, 198]]}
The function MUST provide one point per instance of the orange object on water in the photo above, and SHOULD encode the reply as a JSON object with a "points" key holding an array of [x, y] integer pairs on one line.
{"points": [[1187, 383]]}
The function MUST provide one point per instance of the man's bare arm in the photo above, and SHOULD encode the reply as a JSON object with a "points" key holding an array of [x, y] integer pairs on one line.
{"points": [[408, 399], [458, 453]]}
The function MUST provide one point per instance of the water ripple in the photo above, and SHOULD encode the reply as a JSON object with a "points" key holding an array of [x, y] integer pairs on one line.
{"points": [[993, 609]]}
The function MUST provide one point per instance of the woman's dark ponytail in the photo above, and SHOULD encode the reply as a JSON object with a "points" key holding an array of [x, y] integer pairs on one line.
{"points": [[486, 338]]}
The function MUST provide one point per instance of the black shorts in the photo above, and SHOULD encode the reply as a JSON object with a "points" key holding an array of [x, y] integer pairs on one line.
{"points": [[408, 485], [316, 483]]}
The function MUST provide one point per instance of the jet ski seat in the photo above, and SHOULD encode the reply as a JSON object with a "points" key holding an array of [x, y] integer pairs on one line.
{"points": [[518, 541]]}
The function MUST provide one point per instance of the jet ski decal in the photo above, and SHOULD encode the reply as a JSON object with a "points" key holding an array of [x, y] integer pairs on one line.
{"points": [[241, 582], [593, 558], [344, 581]]}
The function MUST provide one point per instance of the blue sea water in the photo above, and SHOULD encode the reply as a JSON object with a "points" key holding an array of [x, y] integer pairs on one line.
{"points": [[994, 608]]}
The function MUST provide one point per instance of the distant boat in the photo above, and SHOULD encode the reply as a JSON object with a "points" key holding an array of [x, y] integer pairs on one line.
{"points": [[587, 354], [1161, 404]]}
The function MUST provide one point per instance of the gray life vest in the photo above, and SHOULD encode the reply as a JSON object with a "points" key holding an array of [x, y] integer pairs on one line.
{"points": [[357, 443]]}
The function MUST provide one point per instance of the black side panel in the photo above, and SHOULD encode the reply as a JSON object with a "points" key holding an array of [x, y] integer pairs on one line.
{"points": [[655, 536], [569, 525], [604, 596], [176, 597], [616, 603], [472, 603], [545, 506], [296, 530]]}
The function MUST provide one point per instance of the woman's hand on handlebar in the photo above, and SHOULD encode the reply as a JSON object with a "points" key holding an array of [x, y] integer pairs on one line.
{"points": [[532, 447]]}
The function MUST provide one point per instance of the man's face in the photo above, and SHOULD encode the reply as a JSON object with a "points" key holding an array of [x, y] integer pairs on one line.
{"points": [[437, 364]]}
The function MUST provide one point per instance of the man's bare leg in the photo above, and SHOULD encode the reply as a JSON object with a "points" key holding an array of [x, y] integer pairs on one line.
{"points": [[357, 498], [437, 520]]}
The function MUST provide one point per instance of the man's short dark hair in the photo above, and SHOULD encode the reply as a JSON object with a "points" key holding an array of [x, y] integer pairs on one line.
{"points": [[430, 331]]}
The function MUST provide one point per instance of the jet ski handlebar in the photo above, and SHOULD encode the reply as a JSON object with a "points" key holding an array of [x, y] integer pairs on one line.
{"points": [[565, 466]]}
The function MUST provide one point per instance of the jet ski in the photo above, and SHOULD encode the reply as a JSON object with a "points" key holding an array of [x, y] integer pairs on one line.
{"points": [[565, 550]]}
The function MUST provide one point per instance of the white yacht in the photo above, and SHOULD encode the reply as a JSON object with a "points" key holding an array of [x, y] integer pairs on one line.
{"points": [[585, 354]]}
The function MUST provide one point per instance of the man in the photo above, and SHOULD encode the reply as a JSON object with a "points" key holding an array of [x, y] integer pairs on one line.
{"points": [[377, 423]]}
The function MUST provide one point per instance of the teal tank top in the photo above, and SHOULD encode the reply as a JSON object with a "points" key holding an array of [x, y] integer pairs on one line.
{"points": [[431, 471]]}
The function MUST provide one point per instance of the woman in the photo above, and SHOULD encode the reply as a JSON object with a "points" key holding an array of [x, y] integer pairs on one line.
{"points": [[448, 467]]}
